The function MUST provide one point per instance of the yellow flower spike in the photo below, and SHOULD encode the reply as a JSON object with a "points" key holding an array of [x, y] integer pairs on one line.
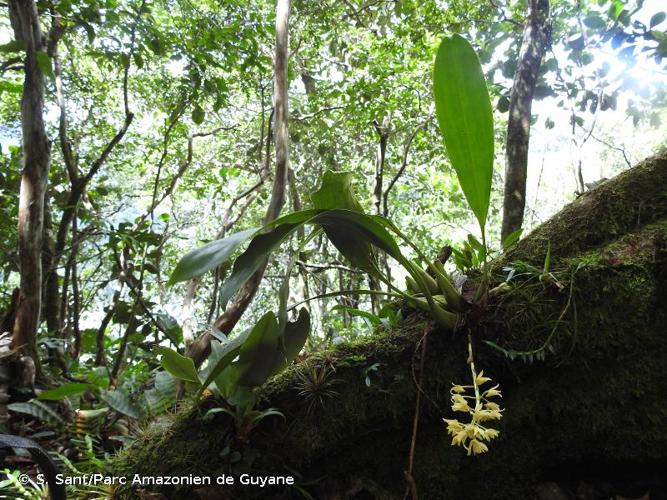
{"points": [[478, 447], [479, 415], [472, 435], [495, 415]]}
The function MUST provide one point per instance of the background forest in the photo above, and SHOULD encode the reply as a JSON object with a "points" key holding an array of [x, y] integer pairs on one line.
{"points": [[160, 117]]}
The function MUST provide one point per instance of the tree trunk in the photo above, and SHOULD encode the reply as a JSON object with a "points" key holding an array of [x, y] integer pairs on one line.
{"points": [[201, 347], [78, 181], [535, 38], [589, 417], [34, 178]]}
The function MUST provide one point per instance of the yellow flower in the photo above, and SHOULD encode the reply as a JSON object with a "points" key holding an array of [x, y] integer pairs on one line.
{"points": [[459, 438], [490, 434], [457, 389], [459, 403], [453, 426], [491, 406], [477, 447], [471, 430], [481, 379], [484, 415], [492, 392]]}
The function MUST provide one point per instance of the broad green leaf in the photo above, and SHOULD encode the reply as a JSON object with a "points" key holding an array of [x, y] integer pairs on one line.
{"points": [[227, 380], [255, 358], [44, 63], [463, 109], [656, 19], [207, 257], [59, 393], [371, 227], [372, 318], [354, 233], [511, 239], [179, 366], [257, 354], [294, 338], [198, 115], [169, 325], [222, 354], [259, 250], [120, 401], [38, 410], [336, 191], [293, 218]]}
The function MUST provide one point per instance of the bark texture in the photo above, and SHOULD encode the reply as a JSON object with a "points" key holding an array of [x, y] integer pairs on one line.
{"points": [[36, 157], [588, 420], [535, 38]]}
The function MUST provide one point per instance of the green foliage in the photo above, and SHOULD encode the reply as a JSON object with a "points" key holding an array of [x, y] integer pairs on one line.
{"points": [[256, 355], [249, 359], [58, 393], [511, 239], [245, 418], [209, 256], [259, 249], [336, 191], [44, 64], [120, 401], [354, 234], [179, 366], [40, 411], [465, 118]]}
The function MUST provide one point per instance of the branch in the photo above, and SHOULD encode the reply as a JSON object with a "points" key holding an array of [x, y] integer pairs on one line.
{"points": [[503, 16], [185, 165], [200, 349], [165, 151], [318, 112], [326, 267], [620, 149], [80, 184], [404, 164]]}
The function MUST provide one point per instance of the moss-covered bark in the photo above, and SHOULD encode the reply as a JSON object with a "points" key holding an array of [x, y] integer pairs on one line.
{"points": [[592, 415]]}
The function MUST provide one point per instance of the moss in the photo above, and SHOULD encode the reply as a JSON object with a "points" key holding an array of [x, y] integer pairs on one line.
{"points": [[631, 200]]}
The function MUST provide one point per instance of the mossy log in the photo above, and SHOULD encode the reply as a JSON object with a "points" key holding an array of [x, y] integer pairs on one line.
{"points": [[590, 419]]}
